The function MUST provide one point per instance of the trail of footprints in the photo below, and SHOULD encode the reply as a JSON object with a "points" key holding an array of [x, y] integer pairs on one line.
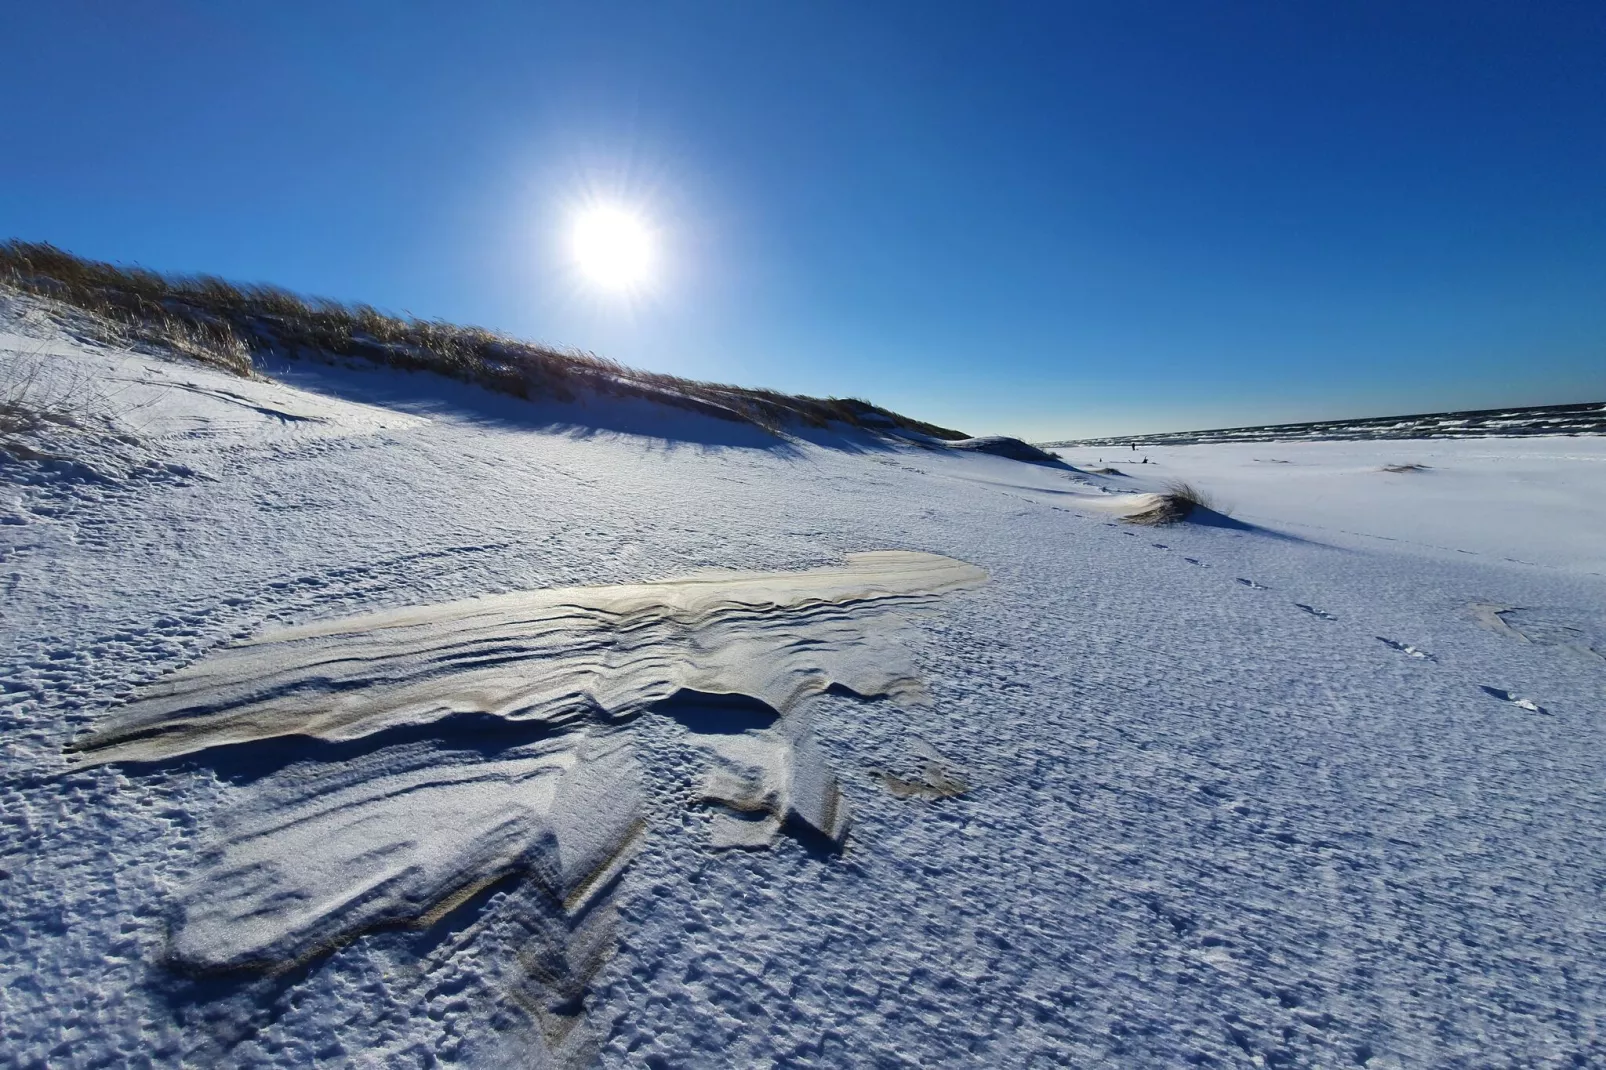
{"points": [[1407, 649]]}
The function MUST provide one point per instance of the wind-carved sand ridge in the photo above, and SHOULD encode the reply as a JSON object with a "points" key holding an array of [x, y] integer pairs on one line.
{"points": [[364, 831]]}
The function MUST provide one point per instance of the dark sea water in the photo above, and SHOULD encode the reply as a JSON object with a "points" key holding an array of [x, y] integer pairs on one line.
{"points": [[1588, 418]]}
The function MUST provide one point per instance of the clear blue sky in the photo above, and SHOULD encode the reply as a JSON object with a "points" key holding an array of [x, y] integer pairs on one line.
{"points": [[1050, 220]]}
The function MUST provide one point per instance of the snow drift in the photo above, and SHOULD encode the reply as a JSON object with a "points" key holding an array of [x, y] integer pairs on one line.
{"points": [[398, 834], [553, 656]]}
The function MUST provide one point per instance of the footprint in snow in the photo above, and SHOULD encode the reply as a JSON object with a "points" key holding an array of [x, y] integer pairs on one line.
{"points": [[1506, 696], [1408, 650], [1252, 585], [938, 778], [1313, 611]]}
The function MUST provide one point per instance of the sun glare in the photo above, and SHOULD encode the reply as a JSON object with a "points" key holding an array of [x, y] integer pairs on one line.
{"points": [[613, 248]]}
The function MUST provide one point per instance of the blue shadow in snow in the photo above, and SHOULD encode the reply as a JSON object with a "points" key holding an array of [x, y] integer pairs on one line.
{"points": [[711, 714]]}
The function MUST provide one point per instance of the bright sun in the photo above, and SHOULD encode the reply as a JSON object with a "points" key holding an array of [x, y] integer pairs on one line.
{"points": [[612, 247]]}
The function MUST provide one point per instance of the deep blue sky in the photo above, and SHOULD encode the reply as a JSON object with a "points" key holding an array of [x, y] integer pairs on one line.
{"points": [[1046, 220]]}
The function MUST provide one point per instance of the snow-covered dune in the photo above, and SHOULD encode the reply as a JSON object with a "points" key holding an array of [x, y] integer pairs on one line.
{"points": [[364, 718]]}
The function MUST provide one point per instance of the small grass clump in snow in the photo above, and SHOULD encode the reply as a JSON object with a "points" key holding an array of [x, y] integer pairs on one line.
{"points": [[231, 326], [32, 402], [1176, 503]]}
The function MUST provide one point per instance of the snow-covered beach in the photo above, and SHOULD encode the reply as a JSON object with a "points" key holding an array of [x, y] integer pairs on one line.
{"points": [[1319, 785]]}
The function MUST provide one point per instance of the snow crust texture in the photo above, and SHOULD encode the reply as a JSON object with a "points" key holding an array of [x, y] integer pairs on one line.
{"points": [[313, 859]]}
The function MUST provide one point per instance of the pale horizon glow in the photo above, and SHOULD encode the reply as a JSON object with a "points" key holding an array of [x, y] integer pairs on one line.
{"points": [[613, 248]]}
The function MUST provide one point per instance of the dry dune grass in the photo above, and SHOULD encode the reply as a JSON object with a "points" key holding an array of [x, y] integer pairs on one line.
{"points": [[1176, 503], [230, 325], [33, 401]]}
